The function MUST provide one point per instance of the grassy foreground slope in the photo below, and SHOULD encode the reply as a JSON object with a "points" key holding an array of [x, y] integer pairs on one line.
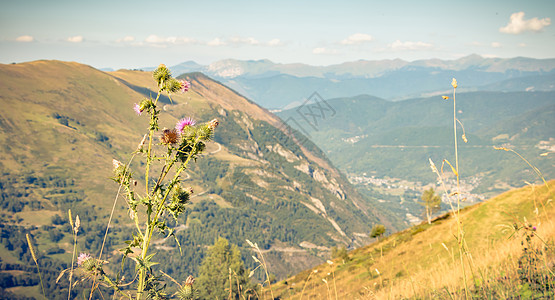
{"points": [[423, 261]]}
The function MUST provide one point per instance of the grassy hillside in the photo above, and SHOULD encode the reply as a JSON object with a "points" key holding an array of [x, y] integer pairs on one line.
{"points": [[63, 123], [424, 262]]}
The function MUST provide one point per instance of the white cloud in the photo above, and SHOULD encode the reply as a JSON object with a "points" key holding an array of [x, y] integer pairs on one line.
{"points": [[357, 38], [496, 45], [410, 46], [246, 41], [126, 39], [517, 24], [159, 41], [216, 42], [274, 43], [75, 39], [25, 38], [522, 45], [324, 51]]}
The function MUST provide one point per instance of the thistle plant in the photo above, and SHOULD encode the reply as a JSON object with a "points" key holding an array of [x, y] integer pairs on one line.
{"points": [[170, 151]]}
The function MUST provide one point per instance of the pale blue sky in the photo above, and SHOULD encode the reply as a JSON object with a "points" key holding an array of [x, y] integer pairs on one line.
{"points": [[134, 34]]}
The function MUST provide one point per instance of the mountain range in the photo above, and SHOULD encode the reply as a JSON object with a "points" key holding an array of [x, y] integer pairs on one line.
{"points": [[277, 86], [385, 146]]}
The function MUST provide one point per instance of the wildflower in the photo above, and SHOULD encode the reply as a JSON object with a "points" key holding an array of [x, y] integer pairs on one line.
{"points": [[445, 97], [185, 85], [454, 83], [181, 124], [190, 280], [83, 257], [169, 136], [213, 124], [329, 262], [137, 109], [116, 164]]}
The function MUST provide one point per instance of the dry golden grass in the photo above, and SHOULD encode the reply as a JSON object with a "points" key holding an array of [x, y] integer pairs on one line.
{"points": [[423, 261]]}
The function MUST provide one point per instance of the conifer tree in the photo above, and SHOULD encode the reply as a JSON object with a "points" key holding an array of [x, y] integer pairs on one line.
{"points": [[222, 262]]}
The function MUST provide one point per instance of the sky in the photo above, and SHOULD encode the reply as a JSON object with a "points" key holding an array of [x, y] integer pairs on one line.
{"points": [[135, 34]]}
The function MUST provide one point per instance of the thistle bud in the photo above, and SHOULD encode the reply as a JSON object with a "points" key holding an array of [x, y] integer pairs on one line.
{"points": [[186, 291], [161, 74], [173, 85]]}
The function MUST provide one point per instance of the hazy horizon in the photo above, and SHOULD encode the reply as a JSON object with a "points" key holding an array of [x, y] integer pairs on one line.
{"points": [[135, 34]]}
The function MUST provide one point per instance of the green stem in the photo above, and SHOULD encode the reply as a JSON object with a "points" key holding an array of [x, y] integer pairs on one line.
{"points": [[150, 133], [150, 226], [72, 261]]}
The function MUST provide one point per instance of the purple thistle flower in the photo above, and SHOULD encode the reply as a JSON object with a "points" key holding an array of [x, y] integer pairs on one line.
{"points": [[83, 257], [181, 124], [137, 109], [185, 85]]}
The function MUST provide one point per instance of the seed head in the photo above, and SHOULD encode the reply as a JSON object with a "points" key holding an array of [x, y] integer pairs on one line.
{"points": [[77, 224], [31, 248], [169, 136], [454, 83], [213, 124], [142, 143]]}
